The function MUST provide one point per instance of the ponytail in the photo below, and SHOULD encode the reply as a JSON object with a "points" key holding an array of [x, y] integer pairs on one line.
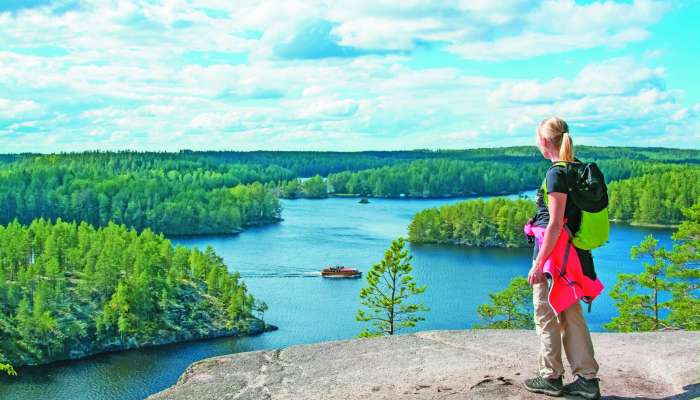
{"points": [[566, 149], [556, 131]]}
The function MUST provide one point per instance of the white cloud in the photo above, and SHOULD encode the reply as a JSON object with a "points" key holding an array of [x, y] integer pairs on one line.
{"points": [[329, 108], [495, 30], [14, 108], [386, 33], [620, 76], [612, 101], [617, 76], [214, 121]]}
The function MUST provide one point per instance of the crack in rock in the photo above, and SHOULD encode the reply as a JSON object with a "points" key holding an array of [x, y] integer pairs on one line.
{"points": [[497, 381]]}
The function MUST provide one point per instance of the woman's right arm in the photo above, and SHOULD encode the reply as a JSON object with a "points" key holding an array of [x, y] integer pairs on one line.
{"points": [[557, 204]]}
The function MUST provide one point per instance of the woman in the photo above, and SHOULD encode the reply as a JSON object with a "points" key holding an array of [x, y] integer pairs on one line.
{"points": [[569, 327]]}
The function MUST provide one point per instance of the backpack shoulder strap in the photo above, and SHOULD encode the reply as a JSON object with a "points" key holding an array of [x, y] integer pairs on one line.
{"points": [[544, 180]]}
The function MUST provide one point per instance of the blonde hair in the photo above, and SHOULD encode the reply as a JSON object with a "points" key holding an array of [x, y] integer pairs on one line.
{"points": [[556, 131]]}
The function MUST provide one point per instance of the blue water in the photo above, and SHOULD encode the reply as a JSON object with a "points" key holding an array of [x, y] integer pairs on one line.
{"points": [[280, 265]]}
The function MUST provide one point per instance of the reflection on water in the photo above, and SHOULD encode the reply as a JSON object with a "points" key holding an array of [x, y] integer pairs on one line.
{"points": [[280, 264]]}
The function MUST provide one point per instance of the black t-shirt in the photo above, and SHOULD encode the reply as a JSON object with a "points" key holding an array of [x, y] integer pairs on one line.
{"points": [[555, 181]]}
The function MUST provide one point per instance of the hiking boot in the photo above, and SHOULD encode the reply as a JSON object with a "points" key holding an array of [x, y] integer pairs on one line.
{"points": [[582, 387], [538, 384]]}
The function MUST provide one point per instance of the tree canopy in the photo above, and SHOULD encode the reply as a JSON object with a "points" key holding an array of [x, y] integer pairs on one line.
{"points": [[657, 198], [172, 196]]}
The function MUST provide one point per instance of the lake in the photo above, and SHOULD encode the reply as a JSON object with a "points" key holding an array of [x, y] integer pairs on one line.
{"points": [[280, 264]]}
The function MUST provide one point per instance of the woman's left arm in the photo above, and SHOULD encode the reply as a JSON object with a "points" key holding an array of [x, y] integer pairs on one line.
{"points": [[557, 204]]}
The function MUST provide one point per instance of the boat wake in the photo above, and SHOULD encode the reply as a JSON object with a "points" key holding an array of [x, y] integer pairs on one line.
{"points": [[285, 274]]}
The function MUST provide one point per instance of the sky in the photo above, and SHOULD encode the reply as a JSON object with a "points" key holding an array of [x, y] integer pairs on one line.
{"points": [[345, 75]]}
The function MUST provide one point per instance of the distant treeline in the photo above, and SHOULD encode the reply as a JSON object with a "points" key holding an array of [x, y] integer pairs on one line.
{"points": [[310, 163], [453, 178], [141, 191], [438, 178], [68, 290]]}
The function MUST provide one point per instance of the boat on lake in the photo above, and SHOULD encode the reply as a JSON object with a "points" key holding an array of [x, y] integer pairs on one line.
{"points": [[340, 272]]}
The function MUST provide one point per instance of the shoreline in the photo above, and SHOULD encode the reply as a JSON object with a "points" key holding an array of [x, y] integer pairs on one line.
{"points": [[456, 243], [457, 197], [645, 224], [257, 328], [245, 227]]}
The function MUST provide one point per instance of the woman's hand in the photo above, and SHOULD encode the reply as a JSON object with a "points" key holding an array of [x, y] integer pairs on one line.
{"points": [[535, 275]]}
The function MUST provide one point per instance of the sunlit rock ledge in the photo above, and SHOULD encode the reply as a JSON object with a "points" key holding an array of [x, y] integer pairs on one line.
{"points": [[456, 364]]}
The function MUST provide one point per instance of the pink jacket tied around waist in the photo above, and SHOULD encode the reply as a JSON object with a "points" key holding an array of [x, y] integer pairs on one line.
{"points": [[569, 284]]}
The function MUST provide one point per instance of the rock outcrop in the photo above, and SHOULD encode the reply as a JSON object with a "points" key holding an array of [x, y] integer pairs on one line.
{"points": [[458, 364]]}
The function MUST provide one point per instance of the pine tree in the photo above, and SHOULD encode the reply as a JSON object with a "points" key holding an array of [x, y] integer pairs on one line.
{"points": [[116, 311], [638, 297], [685, 259], [388, 294], [510, 308], [45, 325], [260, 307], [667, 293]]}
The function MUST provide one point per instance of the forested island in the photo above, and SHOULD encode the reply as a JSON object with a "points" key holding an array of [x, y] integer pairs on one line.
{"points": [[496, 222], [68, 290]]}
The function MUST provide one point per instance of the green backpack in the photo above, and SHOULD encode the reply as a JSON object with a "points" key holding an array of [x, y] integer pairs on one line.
{"points": [[588, 191]]}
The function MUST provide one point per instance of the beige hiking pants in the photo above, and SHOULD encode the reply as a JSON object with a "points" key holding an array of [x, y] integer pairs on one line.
{"points": [[569, 328]]}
